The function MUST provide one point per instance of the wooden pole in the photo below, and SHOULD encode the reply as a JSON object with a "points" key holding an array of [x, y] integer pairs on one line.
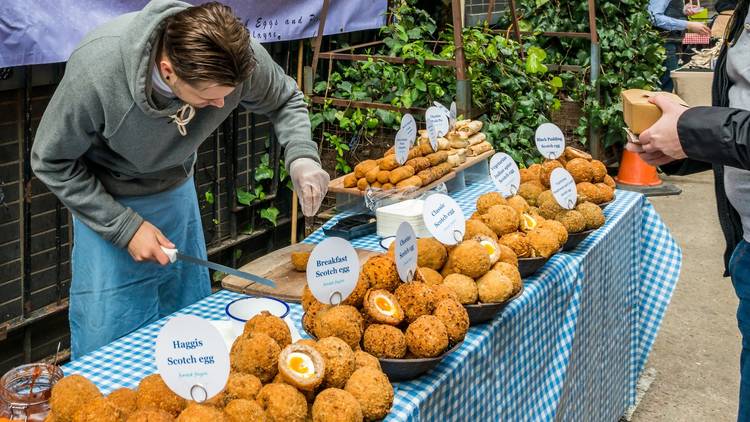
{"points": [[319, 37], [295, 201], [463, 85], [516, 29], [595, 145]]}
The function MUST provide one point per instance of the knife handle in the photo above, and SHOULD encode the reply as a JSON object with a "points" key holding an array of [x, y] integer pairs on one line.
{"points": [[171, 253]]}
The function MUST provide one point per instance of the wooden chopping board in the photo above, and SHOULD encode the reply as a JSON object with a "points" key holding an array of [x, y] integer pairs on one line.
{"points": [[277, 266]]}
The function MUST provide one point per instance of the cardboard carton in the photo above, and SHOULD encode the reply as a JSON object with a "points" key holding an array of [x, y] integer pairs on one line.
{"points": [[693, 86], [720, 24], [639, 114]]}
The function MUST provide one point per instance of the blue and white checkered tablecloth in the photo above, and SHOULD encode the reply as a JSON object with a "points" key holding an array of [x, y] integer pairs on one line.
{"points": [[570, 348]]}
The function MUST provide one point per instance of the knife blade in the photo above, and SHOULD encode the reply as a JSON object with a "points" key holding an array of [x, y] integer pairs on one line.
{"points": [[174, 255]]}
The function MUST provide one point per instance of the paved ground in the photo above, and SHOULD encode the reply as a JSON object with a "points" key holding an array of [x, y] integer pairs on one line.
{"points": [[696, 355]]}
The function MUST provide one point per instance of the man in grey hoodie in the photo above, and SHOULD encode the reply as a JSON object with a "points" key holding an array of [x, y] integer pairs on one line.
{"points": [[118, 141]]}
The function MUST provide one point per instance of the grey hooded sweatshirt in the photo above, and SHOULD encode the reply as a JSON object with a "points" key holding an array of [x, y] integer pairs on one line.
{"points": [[103, 137]]}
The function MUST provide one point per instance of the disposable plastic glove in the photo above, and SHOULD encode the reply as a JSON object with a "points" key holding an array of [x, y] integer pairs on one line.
{"points": [[310, 182]]}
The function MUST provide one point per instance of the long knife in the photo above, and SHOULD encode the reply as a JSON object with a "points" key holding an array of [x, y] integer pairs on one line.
{"points": [[174, 255]]}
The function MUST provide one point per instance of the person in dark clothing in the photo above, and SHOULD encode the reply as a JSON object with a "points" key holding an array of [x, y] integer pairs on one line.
{"points": [[670, 16], [686, 141], [724, 5]]}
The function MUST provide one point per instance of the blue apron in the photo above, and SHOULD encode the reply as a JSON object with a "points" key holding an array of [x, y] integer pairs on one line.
{"points": [[112, 295]]}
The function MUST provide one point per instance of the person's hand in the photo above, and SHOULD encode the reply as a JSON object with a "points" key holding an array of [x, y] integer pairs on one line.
{"points": [[310, 183], [146, 244], [660, 143], [691, 9], [698, 28], [653, 158]]}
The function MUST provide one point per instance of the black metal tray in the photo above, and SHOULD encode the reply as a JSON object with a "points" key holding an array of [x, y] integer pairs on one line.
{"points": [[483, 312], [408, 369], [575, 238], [528, 266]]}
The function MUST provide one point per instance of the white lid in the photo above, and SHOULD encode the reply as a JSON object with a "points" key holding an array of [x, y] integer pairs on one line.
{"points": [[408, 208]]}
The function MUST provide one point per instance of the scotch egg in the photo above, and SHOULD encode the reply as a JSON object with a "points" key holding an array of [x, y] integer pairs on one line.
{"points": [[301, 366], [528, 222], [492, 248], [383, 307]]}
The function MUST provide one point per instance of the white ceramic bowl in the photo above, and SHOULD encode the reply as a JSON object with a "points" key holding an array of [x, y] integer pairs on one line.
{"points": [[241, 310]]}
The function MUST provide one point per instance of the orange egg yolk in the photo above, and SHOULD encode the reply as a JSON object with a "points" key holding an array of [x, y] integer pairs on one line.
{"points": [[384, 304], [297, 364]]}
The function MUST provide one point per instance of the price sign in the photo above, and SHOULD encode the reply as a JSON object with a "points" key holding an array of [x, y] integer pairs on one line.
{"points": [[437, 125], [444, 219], [333, 270], [405, 138], [505, 174], [550, 141], [442, 108], [192, 358], [409, 126], [451, 113], [406, 252], [563, 188]]}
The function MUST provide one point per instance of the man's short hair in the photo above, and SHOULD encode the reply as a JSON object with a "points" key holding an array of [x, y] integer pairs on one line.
{"points": [[208, 43]]}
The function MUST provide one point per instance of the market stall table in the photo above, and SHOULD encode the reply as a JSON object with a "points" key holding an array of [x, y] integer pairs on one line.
{"points": [[570, 348]]}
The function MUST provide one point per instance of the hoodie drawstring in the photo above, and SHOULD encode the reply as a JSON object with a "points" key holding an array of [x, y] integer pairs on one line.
{"points": [[183, 116]]}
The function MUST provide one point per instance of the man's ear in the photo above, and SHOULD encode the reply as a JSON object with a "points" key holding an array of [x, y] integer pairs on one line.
{"points": [[167, 71]]}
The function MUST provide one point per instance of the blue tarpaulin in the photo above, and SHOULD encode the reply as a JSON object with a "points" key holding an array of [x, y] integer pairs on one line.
{"points": [[47, 31]]}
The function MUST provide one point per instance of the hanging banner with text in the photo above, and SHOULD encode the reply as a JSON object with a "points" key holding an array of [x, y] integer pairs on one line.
{"points": [[47, 31]]}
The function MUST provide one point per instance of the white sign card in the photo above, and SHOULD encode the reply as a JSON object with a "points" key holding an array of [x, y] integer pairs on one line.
{"points": [[451, 113], [437, 125], [409, 126], [563, 188], [192, 358], [504, 172], [406, 251], [444, 219], [333, 270], [442, 108], [550, 141], [405, 138]]}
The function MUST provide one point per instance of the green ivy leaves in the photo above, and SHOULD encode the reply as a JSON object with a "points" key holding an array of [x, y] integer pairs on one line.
{"points": [[535, 60], [271, 214], [631, 55], [247, 198], [516, 93]]}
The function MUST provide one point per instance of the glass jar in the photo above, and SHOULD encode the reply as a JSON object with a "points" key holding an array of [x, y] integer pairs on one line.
{"points": [[25, 391]]}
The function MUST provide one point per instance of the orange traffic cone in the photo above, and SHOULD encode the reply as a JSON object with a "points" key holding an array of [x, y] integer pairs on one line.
{"points": [[636, 172]]}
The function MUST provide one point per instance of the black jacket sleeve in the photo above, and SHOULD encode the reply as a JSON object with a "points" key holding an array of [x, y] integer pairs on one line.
{"points": [[716, 135], [722, 5], [685, 167]]}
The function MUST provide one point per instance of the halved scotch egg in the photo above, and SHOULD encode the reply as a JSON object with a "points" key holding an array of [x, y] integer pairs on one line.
{"points": [[528, 222], [383, 307], [301, 366], [492, 248]]}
